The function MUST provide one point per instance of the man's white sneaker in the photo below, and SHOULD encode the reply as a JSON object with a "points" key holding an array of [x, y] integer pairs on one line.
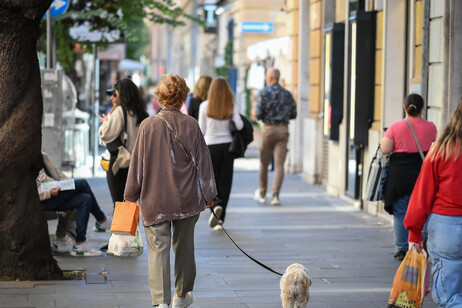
{"points": [[103, 227], [218, 226], [212, 220], [161, 306], [184, 302], [258, 197], [85, 250], [275, 200], [59, 244]]}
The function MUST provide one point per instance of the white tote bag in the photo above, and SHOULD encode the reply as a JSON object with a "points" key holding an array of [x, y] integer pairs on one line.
{"points": [[126, 245]]}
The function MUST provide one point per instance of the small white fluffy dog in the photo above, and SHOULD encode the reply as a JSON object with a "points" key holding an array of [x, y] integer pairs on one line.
{"points": [[295, 285]]}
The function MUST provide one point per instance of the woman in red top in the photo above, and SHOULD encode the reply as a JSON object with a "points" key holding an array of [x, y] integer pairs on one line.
{"points": [[437, 200], [405, 163]]}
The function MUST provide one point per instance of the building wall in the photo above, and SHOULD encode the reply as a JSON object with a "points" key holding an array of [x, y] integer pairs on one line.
{"points": [[453, 38], [435, 100], [336, 150], [409, 59], [417, 50], [313, 122]]}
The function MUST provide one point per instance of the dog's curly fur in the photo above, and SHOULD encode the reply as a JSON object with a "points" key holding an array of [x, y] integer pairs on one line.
{"points": [[295, 285]]}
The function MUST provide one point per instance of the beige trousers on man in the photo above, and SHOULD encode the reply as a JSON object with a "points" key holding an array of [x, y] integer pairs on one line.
{"points": [[159, 239], [274, 142]]}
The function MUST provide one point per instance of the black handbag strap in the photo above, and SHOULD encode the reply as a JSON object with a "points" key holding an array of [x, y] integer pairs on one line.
{"points": [[124, 134]]}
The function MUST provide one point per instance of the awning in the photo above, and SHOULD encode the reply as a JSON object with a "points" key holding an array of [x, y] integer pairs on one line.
{"points": [[269, 49], [130, 65]]}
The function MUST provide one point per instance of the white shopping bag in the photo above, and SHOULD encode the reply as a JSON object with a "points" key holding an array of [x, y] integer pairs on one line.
{"points": [[126, 245]]}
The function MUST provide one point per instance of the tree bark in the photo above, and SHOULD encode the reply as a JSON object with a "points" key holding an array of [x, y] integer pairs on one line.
{"points": [[24, 242]]}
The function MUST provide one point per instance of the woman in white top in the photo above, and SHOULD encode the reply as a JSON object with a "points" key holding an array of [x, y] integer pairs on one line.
{"points": [[215, 115]]}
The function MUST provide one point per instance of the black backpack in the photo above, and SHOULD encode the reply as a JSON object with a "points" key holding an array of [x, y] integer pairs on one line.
{"points": [[241, 138]]}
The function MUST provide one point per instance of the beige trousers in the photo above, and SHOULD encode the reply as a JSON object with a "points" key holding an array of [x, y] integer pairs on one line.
{"points": [[274, 142], [160, 238]]}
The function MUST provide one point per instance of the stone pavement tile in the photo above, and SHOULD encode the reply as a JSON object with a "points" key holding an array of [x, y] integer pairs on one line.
{"points": [[80, 289], [77, 305], [15, 291], [69, 298], [202, 304], [13, 300], [16, 284]]}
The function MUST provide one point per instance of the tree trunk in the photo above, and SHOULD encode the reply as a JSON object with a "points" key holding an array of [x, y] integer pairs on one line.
{"points": [[24, 242]]}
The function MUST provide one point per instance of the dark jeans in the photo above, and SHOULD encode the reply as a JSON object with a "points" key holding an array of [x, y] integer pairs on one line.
{"points": [[223, 168], [82, 199], [116, 182]]}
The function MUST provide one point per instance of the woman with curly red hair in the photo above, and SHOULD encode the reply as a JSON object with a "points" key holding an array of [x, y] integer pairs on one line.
{"points": [[171, 175]]}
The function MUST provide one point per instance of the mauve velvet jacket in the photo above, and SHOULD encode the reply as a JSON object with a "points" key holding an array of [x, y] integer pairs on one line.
{"points": [[161, 176]]}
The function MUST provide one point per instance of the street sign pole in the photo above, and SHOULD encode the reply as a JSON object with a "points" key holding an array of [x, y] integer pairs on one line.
{"points": [[57, 7], [95, 108], [48, 66]]}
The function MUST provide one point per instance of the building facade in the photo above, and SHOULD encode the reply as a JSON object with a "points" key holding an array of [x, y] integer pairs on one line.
{"points": [[391, 48], [348, 63]]}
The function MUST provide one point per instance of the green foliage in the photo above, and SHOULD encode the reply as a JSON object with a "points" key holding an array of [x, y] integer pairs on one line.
{"points": [[140, 40], [125, 16], [248, 94], [228, 54], [222, 71]]}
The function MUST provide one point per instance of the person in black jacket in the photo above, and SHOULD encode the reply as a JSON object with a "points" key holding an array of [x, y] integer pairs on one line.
{"points": [[200, 94]]}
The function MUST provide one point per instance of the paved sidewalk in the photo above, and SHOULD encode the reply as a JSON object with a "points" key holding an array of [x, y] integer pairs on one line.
{"points": [[349, 255]]}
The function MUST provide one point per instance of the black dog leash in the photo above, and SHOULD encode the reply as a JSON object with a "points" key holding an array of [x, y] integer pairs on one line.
{"points": [[250, 257], [193, 164]]}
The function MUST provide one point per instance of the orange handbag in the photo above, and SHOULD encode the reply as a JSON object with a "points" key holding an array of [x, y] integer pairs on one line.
{"points": [[125, 219]]}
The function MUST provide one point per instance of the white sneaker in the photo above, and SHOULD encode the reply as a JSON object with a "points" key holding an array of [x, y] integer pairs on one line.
{"points": [[85, 250], [59, 244], [212, 220], [258, 197], [218, 226], [103, 227], [275, 200], [184, 302], [161, 306]]}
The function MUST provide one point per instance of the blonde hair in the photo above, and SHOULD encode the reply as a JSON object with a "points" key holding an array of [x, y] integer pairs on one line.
{"points": [[220, 98], [171, 91], [202, 87], [449, 144]]}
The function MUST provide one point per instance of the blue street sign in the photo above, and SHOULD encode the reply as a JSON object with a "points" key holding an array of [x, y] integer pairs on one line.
{"points": [[256, 27], [58, 7]]}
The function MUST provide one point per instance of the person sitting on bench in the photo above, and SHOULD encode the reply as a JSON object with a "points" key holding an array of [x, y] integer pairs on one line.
{"points": [[81, 198]]}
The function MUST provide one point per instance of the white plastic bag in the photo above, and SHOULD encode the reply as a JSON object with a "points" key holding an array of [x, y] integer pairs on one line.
{"points": [[126, 245]]}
